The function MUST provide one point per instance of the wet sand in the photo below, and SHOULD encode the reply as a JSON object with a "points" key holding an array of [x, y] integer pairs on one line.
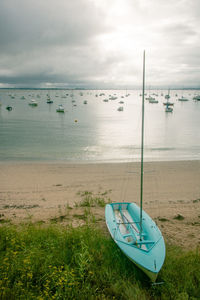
{"points": [[46, 192]]}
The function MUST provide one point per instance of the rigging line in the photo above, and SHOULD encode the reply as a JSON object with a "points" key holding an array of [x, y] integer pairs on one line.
{"points": [[142, 147], [128, 166], [124, 179]]}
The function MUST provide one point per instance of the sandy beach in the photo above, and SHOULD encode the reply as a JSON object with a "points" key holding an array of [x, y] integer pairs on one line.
{"points": [[42, 192]]}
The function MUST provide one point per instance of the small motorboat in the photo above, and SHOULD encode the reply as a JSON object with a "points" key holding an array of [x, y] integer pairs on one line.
{"points": [[197, 98], [183, 99], [153, 100], [60, 109], [49, 101], [33, 103], [120, 108]]}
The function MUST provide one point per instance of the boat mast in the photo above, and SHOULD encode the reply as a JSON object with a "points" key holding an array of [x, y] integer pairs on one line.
{"points": [[142, 147]]}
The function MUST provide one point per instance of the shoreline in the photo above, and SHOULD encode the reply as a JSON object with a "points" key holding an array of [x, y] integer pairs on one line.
{"points": [[92, 162], [42, 192]]}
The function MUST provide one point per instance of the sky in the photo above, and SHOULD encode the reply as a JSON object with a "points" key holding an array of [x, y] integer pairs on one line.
{"points": [[99, 43]]}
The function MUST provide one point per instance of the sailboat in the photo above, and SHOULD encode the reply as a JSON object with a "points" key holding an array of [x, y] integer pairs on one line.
{"points": [[168, 106], [168, 109], [133, 230]]}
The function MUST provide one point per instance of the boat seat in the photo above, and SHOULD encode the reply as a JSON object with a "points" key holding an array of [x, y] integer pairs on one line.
{"points": [[129, 238], [146, 242], [127, 235]]}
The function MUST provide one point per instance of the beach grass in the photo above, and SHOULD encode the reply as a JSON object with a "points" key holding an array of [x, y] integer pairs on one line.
{"points": [[88, 199], [40, 261]]}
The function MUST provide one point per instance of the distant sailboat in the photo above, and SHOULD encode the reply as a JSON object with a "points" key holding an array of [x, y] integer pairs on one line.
{"points": [[133, 230], [168, 108], [167, 96], [183, 99]]}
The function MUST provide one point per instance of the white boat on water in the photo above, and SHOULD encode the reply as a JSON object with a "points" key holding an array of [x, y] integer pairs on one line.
{"points": [[33, 103], [196, 98], [112, 98], [150, 98], [153, 101], [120, 108], [49, 101], [60, 109], [183, 99]]}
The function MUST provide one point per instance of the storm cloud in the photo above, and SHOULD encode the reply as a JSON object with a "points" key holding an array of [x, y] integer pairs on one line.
{"points": [[99, 43]]}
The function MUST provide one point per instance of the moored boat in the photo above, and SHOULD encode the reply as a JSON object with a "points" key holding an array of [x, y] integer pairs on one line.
{"points": [[49, 101], [33, 103], [60, 109], [183, 99], [9, 108], [168, 108], [197, 98]]}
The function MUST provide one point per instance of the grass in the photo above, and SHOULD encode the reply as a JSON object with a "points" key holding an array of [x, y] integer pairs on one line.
{"points": [[57, 262], [23, 206], [179, 217], [90, 200], [196, 201], [162, 219]]}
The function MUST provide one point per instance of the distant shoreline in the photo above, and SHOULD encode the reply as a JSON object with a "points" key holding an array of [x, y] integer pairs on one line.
{"points": [[99, 89], [90, 162]]}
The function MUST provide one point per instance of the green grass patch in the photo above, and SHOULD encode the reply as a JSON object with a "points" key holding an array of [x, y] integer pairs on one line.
{"points": [[162, 219], [57, 262], [22, 206], [90, 200], [196, 201], [179, 217], [58, 219]]}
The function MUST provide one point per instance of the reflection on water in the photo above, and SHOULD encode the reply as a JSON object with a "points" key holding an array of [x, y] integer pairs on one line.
{"points": [[92, 129]]}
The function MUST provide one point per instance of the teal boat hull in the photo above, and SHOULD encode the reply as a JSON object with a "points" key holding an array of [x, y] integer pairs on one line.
{"points": [[147, 251]]}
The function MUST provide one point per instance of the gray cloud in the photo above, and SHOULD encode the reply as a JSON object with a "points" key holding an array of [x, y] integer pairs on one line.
{"points": [[98, 43]]}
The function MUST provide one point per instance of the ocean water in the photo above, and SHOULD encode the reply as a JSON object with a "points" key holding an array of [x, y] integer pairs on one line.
{"points": [[97, 131]]}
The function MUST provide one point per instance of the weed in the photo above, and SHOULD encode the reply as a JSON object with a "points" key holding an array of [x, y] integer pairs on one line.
{"points": [[22, 206], [162, 219], [60, 218], [196, 201], [90, 200], [179, 217], [59, 262]]}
